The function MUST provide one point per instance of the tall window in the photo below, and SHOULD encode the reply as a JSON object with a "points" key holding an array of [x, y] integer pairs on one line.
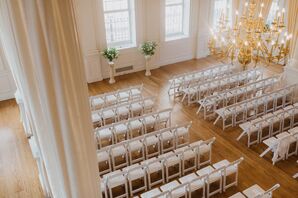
{"points": [[177, 19], [119, 19], [222, 6], [274, 8]]}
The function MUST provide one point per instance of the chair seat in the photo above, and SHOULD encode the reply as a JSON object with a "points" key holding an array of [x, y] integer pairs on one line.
{"points": [[148, 103], [105, 133], [208, 170], [118, 151], [293, 130], [102, 156], [108, 114], [151, 140], [229, 170], [123, 110], [237, 195], [98, 101], [120, 128], [171, 158], [150, 120], [111, 98], [167, 135], [134, 172], [135, 92], [195, 185], [151, 193], [136, 107], [135, 145], [153, 166], [182, 131], [187, 153], [270, 141], [169, 186], [115, 181], [253, 191], [123, 95], [95, 117], [135, 124], [163, 116]]}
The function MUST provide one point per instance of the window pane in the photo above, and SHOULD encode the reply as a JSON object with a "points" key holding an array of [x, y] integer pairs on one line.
{"points": [[110, 5], [272, 12], [169, 2], [222, 6], [174, 19], [117, 27]]}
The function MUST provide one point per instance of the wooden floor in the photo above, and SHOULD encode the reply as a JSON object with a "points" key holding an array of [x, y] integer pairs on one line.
{"points": [[18, 173]]}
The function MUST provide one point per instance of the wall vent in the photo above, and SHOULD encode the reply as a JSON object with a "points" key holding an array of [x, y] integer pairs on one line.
{"points": [[122, 69]]}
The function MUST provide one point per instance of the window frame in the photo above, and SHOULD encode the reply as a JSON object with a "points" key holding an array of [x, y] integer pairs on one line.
{"points": [[228, 12], [132, 29], [186, 11]]}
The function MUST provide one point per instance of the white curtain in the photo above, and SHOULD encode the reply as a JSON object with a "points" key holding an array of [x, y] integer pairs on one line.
{"points": [[293, 27], [41, 46]]}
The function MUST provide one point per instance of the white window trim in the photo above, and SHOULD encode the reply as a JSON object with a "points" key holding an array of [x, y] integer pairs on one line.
{"points": [[131, 12], [186, 12]]}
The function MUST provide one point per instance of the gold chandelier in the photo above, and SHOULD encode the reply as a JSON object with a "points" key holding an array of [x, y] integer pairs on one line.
{"points": [[250, 39]]}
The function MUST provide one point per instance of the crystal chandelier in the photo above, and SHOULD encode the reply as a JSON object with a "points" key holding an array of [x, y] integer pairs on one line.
{"points": [[250, 40]]}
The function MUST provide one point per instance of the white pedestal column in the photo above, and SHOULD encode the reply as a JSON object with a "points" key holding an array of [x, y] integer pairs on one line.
{"points": [[112, 72], [148, 72]]}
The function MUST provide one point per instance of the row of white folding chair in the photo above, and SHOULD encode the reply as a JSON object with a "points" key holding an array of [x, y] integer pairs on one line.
{"points": [[161, 166], [115, 97], [201, 181], [237, 94], [255, 107], [198, 91], [185, 79], [123, 111], [256, 191], [133, 127], [143, 147], [269, 124], [281, 145]]}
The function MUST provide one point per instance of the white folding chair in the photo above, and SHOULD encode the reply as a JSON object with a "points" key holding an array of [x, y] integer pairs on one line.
{"points": [[152, 145], [172, 164], [104, 136], [151, 193], [137, 180], [164, 118], [167, 140], [213, 177], [109, 115], [103, 160], [136, 150], [203, 150], [229, 168], [182, 135], [121, 131], [188, 159], [155, 171], [116, 179], [175, 189], [148, 104], [135, 127], [196, 184], [256, 191], [118, 153], [149, 121], [123, 111]]}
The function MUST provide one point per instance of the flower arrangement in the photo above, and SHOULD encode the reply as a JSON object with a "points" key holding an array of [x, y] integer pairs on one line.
{"points": [[110, 54], [148, 48]]}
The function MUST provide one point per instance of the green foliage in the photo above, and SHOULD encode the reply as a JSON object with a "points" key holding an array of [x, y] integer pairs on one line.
{"points": [[110, 54], [148, 48]]}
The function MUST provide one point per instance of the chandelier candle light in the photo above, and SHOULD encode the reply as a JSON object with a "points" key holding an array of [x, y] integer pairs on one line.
{"points": [[250, 39]]}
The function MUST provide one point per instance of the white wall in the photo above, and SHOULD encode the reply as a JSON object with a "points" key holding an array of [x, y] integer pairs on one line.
{"points": [[7, 84], [149, 26]]}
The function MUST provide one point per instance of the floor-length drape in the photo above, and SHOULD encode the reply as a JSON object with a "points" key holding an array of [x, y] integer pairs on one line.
{"points": [[293, 26], [40, 43]]}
